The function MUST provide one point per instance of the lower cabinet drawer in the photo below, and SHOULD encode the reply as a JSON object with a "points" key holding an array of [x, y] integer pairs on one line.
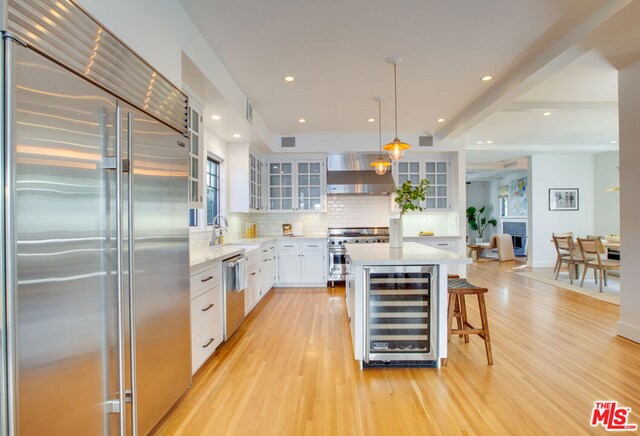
{"points": [[443, 244], [205, 343], [205, 308], [204, 279]]}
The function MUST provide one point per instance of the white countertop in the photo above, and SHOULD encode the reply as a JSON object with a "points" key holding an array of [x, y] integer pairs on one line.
{"points": [[262, 239], [411, 253], [422, 238], [200, 252]]}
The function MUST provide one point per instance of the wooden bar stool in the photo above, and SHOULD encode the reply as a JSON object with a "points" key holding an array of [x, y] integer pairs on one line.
{"points": [[458, 289]]}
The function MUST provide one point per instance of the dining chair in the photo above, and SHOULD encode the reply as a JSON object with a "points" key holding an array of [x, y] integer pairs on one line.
{"points": [[569, 254], [560, 252], [591, 250]]}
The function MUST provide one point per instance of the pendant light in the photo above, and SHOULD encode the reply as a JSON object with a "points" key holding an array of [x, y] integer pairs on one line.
{"points": [[380, 165], [396, 148]]}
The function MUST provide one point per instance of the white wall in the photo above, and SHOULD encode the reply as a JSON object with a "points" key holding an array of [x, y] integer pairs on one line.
{"points": [[558, 171], [629, 106], [607, 209]]}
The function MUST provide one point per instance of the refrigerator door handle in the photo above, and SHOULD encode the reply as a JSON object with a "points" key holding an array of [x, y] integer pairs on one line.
{"points": [[131, 247], [120, 274]]}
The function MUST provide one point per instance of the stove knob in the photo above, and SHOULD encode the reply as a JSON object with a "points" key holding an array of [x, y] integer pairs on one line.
{"points": [[339, 242], [357, 241]]}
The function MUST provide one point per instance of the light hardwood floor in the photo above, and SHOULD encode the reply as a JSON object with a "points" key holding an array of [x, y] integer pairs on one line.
{"points": [[289, 371]]}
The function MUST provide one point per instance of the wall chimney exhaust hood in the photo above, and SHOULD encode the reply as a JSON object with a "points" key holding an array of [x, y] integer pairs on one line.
{"points": [[351, 174]]}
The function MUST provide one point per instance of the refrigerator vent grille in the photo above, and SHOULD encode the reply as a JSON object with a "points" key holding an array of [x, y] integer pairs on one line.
{"points": [[68, 35]]}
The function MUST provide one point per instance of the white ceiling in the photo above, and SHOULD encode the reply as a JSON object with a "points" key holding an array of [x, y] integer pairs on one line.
{"points": [[582, 99], [336, 50]]}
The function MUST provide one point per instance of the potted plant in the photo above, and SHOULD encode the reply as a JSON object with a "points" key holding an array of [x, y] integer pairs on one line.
{"points": [[408, 197], [478, 221]]}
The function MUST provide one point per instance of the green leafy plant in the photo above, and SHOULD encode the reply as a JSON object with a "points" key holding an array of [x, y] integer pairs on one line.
{"points": [[478, 220], [408, 197]]}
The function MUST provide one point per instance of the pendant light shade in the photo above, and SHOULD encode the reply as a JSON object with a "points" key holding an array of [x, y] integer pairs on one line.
{"points": [[380, 165], [396, 148]]}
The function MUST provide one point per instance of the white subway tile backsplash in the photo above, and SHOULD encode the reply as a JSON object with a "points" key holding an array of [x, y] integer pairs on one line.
{"points": [[347, 211]]}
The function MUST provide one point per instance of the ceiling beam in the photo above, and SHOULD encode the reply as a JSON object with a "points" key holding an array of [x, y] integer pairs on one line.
{"points": [[566, 106], [531, 71]]}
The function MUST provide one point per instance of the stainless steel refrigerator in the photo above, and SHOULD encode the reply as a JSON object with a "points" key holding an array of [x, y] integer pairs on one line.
{"points": [[96, 259]]}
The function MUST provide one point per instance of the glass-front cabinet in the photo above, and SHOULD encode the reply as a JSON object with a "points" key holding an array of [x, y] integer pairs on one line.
{"points": [[309, 186], [255, 182], [195, 157], [435, 171], [296, 185], [281, 186], [437, 174]]}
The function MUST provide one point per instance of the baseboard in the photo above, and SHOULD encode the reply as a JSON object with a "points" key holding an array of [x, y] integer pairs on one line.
{"points": [[301, 285], [629, 331], [543, 264]]}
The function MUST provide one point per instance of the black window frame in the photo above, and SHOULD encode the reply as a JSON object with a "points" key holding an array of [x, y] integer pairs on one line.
{"points": [[212, 175]]}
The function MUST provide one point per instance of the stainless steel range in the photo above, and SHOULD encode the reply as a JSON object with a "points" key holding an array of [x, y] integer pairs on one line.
{"points": [[338, 258]]}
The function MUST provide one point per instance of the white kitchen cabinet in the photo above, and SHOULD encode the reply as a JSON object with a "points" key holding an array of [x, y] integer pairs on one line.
{"points": [[196, 165], [435, 171], [246, 180], [206, 313], [252, 293], [297, 185], [289, 269], [302, 263], [312, 266]]}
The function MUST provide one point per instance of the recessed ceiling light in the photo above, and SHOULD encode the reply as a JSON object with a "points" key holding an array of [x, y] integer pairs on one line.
{"points": [[289, 78], [480, 142], [486, 78], [440, 120], [489, 142], [546, 114], [236, 135], [614, 142], [216, 117], [302, 120], [371, 120]]}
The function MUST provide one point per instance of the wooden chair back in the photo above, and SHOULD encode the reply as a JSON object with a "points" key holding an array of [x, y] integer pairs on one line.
{"points": [[565, 245], [591, 248]]}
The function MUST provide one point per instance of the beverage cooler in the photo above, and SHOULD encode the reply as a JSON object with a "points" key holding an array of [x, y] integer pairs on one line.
{"points": [[400, 317]]}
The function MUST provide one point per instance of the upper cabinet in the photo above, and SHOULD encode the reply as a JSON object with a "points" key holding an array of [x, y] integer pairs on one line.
{"points": [[296, 185], [195, 156], [435, 171], [246, 179], [255, 182]]}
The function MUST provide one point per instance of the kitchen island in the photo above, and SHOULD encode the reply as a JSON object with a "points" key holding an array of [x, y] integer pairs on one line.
{"points": [[397, 303]]}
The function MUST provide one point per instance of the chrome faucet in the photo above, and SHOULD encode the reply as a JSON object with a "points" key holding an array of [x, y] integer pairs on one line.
{"points": [[218, 230]]}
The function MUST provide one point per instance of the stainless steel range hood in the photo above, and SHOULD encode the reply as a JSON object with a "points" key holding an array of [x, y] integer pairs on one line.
{"points": [[351, 174]]}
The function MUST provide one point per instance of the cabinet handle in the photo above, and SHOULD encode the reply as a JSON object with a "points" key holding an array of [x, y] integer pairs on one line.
{"points": [[313, 246], [207, 279], [208, 307], [442, 245], [264, 251], [266, 260], [209, 343], [253, 274]]}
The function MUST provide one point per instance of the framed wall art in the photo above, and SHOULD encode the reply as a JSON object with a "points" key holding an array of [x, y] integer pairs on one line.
{"points": [[564, 199]]}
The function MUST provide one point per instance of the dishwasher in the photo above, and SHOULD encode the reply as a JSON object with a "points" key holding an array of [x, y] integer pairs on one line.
{"points": [[234, 284]]}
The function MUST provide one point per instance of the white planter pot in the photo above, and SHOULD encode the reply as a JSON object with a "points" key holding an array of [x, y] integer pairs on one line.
{"points": [[395, 233], [479, 240]]}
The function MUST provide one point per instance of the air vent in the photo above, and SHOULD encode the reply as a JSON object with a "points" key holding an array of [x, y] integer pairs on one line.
{"points": [[288, 142], [249, 111], [426, 141]]}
